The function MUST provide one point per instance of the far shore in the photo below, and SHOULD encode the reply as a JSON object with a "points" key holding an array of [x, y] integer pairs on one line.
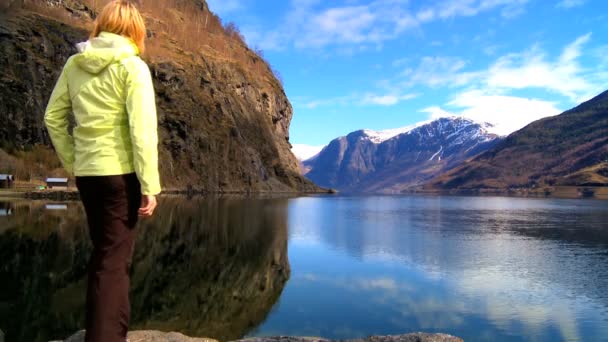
{"points": [[72, 194], [563, 192]]}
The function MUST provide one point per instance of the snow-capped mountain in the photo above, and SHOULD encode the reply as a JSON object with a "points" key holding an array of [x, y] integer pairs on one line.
{"points": [[393, 160]]}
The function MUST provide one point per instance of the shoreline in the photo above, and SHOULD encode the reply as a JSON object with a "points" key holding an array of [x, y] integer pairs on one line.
{"points": [[74, 195], [558, 192]]}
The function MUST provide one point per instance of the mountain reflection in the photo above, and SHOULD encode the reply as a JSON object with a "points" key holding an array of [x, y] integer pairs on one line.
{"points": [[502, 268], [204, 267]]}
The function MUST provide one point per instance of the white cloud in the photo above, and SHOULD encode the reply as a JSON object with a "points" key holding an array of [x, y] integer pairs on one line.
{"points": [[438, 71], [307, 26], [335, 101], [506, 113], [436, 112], [531, 69], [386, 100], [455, 8], [570, 3], [304, 152], [425, 15], [357, 99], [496, 103]]}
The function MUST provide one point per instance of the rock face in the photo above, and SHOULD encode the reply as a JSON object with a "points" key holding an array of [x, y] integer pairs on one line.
{"points": [[147, 336], [368, 161], [155, 336], [223, 116], [568, 149], [415, 337]]}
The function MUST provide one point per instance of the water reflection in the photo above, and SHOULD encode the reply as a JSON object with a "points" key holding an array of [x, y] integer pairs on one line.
{"points": [[485, 269], [6, 209], [212, 267], [481, 268]]}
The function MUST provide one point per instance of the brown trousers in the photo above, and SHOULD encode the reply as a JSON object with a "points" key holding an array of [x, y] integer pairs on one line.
{"points": [[111, 204]]}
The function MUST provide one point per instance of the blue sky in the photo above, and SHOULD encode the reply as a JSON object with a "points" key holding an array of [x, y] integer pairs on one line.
{"points": [[351, 64]]}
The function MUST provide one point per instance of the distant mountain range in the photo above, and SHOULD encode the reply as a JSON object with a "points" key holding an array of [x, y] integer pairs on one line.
{"points": [[394, 160], [568, 149], [456, 153]]}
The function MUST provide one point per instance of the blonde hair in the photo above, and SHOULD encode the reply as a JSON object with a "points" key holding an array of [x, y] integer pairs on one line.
{"points": [[123, 18]]}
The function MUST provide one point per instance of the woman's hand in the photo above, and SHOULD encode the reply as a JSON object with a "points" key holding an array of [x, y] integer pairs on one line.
{"points": [[148, 204]]}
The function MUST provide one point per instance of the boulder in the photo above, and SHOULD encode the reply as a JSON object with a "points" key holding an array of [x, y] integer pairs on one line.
{"points": [[414, 337], [157, 336], [147, 336]]}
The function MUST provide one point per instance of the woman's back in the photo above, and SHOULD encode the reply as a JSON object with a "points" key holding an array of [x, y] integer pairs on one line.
{"points": [[109, 90]]}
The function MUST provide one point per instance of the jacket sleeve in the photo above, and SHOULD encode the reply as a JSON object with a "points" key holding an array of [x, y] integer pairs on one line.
{"points": [[141, 109], [56, 121]]}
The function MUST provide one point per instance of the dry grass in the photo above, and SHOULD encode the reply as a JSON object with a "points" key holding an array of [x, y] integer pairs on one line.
{"points": [[192, 28], [35, 164], [174, 27]]}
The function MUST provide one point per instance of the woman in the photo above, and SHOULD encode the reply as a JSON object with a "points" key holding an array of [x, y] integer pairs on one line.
{"points": [[112, 152]]}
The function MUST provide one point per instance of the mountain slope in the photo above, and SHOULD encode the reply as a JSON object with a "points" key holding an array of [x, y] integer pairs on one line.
{"points": [[391, 161], [223, 116], [568, 149]]}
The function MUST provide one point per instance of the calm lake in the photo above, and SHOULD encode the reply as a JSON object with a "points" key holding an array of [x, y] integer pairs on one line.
{"points": [[482, 268]]}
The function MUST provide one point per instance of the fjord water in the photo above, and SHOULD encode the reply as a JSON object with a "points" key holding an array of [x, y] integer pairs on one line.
{"points": [[482, 268]]}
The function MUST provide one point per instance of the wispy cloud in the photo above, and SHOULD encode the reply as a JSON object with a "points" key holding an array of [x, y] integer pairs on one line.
{"points": [[488, 95], [333, 101], [436, 112], [439, 71], [507, 113], [468, 8], [308, 25], [358, 99], [570, 3], [529, 69], [386, 100]]}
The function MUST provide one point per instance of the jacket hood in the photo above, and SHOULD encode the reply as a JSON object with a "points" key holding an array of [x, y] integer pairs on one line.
{"points": [[99, 52]]}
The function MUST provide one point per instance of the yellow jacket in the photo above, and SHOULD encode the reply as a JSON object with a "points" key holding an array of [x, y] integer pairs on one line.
{"points": [[109, 89]]}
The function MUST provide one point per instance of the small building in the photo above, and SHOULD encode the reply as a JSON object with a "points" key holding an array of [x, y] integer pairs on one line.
{"points": [[57, 183], [6, 181]]}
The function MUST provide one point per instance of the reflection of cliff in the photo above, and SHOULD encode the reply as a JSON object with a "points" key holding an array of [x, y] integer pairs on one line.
{"points": [[42, 252], [211, 268], [202, 267]]}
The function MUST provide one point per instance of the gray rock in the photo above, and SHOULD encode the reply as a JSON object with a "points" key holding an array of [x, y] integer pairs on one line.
{"points": [[157, 336], [1, 336], [415, 337], [148, 336]]}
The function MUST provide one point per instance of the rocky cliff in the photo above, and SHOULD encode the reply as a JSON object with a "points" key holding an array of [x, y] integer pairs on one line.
{"points": [[392, 161], [223, 115]]}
